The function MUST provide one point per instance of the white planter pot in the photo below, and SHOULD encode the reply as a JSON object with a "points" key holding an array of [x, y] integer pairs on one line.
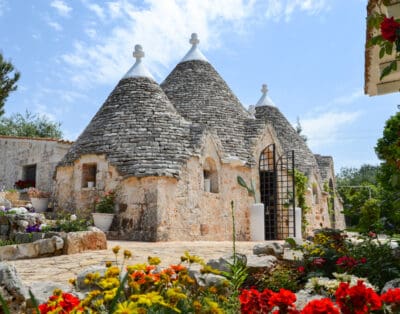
{"points": [[40, 204], [90, 184], [257, 220], [103, 221]]}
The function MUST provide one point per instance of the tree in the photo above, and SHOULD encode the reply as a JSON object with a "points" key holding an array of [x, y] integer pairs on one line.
{"points": [[356, 187], [29, 125], [8, 80]]}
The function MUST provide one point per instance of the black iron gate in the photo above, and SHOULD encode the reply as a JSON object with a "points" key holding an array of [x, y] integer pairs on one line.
{"points": [[277, 189]]}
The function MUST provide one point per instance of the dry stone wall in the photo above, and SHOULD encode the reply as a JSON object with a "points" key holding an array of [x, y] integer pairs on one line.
{"points": [[15, 153]]}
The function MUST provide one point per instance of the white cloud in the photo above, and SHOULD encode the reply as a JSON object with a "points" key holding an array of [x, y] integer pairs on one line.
{"points": [[163, 29], [278, 9], [62, 8], [55, 25], [3, 7], [98, 10], [326, 128], [349, 99]]}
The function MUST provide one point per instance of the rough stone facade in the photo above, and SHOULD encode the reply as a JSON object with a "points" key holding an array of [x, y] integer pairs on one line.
{"points": [[17, 153], [173, 154]]}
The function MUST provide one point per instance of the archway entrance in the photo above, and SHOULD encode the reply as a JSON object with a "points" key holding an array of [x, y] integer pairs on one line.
{"points": [[277, 190]]}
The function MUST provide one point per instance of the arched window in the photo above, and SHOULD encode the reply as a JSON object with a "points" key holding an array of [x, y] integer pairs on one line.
{"points": [[210, 176]]}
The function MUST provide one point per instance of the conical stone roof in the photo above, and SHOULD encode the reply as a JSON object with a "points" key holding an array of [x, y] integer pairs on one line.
{"points": [[200, 95], [138, 130], [288, 137]]}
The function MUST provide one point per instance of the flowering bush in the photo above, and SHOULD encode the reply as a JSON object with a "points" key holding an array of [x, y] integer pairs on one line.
{"points": [[106, 203], [388, 39], [61, 302], [322, 306], [36, 193], [23, 184]]}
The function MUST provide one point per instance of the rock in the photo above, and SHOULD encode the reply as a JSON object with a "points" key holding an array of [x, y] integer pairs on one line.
{"points": [[265, 262], [392, 284], [44, 289], [274, 248], [8, 252], [223, 263], [27, 250], [12, 284], [76, 242], [5, 202], [292, 255], [303, 297], [49, 246], [207, 280], [80, 284]]}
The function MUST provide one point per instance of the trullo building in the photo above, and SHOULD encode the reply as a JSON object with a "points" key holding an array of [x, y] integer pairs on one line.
{"points": [[173, 153]]}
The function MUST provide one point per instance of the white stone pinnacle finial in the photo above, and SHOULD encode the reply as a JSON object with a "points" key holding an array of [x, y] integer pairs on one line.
{"points": [[194, 39], [264, 89], [138, 53]]}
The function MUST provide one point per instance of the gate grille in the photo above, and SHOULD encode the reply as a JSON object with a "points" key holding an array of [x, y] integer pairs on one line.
{"points": [[277, 189]]}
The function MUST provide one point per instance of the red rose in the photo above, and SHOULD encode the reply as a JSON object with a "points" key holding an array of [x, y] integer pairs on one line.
{"points": [[388, 29]]}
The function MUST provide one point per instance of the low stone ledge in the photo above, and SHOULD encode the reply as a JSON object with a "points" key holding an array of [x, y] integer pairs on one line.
{"points": [[62, 243]]}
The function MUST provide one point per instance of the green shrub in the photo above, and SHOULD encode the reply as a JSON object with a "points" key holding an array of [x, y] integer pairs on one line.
{"points": [[369, 216], [282, 277]]}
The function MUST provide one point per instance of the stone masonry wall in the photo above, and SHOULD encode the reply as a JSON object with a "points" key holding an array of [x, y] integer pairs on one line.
{"points": [[15, 153]]}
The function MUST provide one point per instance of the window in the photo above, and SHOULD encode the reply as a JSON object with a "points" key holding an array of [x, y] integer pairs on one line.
{"points": [[89, 175], [210, 176], [29, 174]]}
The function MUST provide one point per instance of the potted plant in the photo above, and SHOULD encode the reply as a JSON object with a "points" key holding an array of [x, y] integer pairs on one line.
{"points": [[104, 211], [257, 215], [39, 199]]}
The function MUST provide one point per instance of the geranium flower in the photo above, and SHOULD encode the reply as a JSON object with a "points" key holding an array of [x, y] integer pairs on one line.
{"points": [[323, 306], [358, 299], [388, 29], [391, 296]]}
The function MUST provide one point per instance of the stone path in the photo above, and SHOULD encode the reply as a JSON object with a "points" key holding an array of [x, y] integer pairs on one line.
{"points": [[59, 269]]}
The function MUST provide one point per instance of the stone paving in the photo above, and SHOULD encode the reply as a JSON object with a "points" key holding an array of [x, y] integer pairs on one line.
{"points": [[59, 269]]}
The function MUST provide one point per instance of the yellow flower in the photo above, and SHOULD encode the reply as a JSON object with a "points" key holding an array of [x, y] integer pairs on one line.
{"points": [[197, 306], [133, 268], [112, 271], [108, 264], [127, 254], [126, 307], [116, 249], [153, 260]]}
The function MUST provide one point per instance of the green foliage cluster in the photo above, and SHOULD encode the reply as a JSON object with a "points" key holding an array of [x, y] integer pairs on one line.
{"points": [[301, 188], [29, 125], [282, 277], [106, 203], [7, 242], [367, 257], [381, 263], [8, 80], [385, 47]]}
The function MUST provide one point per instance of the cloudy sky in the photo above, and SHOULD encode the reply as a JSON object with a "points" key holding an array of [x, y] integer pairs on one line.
{"points": [[71, 54]]}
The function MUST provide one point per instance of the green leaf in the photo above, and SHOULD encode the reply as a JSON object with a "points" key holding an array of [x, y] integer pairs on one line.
{"points": [[116, 298], [389, 47], [386, 71], [4, 305], [291, 242], [381, 52], [241, 182], [34, 302]]}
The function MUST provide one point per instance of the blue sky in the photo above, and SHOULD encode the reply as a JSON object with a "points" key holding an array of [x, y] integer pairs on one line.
{"points": [[71, 54]]}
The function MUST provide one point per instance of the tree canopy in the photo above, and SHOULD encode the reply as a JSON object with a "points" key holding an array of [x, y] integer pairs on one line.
{"points": [[29, 125], [8, 79]]}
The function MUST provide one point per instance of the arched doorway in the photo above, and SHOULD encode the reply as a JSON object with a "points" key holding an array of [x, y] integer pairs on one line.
{"points": [[277, 190]]}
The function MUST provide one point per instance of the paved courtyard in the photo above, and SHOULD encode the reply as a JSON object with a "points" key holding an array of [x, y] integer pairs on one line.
{"points": [[59, 269]]}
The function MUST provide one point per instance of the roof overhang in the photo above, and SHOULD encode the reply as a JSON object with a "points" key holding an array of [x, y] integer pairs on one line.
{"points": [[373, 64]]}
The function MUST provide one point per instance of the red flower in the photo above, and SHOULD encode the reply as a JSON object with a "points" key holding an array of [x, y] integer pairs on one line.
{"points": [[388, 29], [372, 234], [363, 260], [62, 304], [301, 269], [284, 299], [391, 296], [347, 262], [358, 299], [323, 306], [252, 301], [319, 261]]}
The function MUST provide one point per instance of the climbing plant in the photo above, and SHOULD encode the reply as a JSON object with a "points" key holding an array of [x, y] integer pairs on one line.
{"points": [[301, 189]]}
